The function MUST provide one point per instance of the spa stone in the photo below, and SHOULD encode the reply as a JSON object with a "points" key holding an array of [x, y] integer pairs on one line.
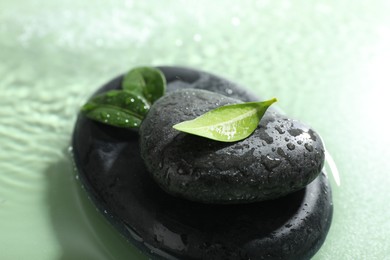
{"points": [[281, 156], [111, 170]]}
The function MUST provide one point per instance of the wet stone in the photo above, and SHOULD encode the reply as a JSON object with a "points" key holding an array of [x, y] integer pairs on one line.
{"points": [[263, 166], [162, 226]]}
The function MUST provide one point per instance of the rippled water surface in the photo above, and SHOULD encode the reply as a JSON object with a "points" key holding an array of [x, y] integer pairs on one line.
{"points": [[327, 63]]}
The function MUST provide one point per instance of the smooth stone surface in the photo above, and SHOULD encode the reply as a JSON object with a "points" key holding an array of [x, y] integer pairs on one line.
{"points": [[280, 157], [166, 227]]}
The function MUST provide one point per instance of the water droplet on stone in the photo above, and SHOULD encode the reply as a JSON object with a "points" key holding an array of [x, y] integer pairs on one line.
{"points": [[269, 162], [295, 132], [309, 147], [280, 130], [291, 146], [168, 176]]}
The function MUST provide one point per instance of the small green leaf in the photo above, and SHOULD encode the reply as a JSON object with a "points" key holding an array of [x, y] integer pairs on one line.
{"points": [[146, 81], [227, 123], [117, 108]]}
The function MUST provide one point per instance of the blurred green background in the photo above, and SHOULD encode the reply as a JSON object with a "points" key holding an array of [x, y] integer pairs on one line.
{"points": [[326, 61]]}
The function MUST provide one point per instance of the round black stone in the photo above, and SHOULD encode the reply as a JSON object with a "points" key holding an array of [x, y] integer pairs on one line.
{"points": [[260, 167], [166, 227]]}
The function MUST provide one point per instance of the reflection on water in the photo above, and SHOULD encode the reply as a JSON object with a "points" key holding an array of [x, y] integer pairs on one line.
{"points": [[331, 165], [80, 229]]}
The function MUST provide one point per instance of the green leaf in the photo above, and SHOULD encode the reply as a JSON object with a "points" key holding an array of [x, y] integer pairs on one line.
{"points": [[146, 81], [127, 108], [227, 123], [117, 108]]}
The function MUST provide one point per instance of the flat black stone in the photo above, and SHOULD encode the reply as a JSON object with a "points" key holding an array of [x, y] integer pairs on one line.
{"points": [[165, 227]]}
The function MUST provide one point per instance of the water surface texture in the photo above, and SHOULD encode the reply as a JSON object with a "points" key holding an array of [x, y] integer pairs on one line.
{"points": [[326, 62]]}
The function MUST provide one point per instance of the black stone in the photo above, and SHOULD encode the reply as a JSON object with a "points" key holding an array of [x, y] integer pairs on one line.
{"points": [[261, 167], [166, 227]]}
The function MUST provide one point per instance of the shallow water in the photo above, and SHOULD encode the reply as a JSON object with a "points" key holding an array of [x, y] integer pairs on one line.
{"points": [[325, 62]]}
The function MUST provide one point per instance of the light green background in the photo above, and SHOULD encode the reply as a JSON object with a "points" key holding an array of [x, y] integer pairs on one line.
{"points": [[328, 63]]}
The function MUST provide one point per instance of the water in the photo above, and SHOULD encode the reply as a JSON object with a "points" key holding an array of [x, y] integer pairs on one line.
{"points": [[321, 60], [70, 226]]}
